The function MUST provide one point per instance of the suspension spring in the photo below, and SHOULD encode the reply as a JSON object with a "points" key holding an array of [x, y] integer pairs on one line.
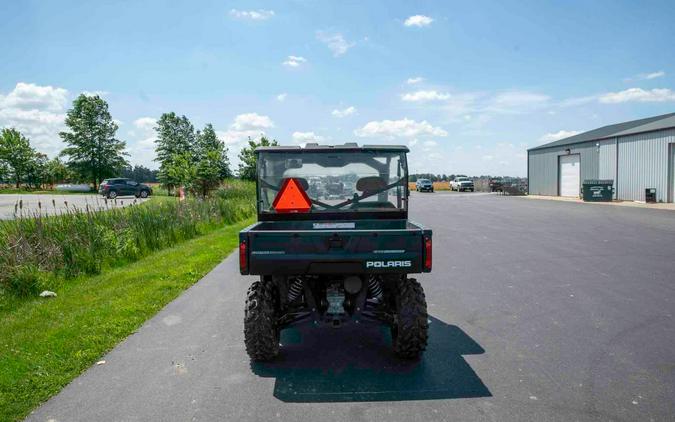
{"points": [[295, 290], [374, 289]]}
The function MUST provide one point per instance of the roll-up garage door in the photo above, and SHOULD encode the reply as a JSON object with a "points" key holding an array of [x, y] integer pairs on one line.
{"points": [[569, 175]]}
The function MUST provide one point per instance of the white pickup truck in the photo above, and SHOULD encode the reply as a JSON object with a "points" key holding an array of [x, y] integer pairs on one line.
{"points": [[462, 184]]}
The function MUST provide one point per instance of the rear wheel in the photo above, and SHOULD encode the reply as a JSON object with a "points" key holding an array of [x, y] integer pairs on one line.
{"points": [[261, 334], [144, 194], [409, 331], [112, 194]]}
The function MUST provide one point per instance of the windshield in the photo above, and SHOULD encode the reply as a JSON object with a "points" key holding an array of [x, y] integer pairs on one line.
{"points": [[336, 181], [463, 179], [424, 181]]}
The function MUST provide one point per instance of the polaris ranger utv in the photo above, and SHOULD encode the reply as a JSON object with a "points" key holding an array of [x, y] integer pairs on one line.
{"points": [[334, 260]]}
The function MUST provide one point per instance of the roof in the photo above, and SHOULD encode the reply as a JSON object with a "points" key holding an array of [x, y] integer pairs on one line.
{"points": [[649, 124], [351, 146]]}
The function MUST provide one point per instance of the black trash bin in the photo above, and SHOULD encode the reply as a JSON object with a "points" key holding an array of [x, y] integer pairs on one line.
{"points": [[650, 195], [598, 190]]}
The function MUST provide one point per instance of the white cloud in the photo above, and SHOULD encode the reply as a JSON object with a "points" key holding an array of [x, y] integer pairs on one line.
{"points": [[638, 95], [38, 112], [344, 112], [424, 96], [255, 15], [418, 20], [335, 42], [430, 143], [646, 76], [304, 137], [415, 80], [251, 121], [141, 142], [95, 93], [399, 128], [294, 61], [561, 134], [145, 123], [282, 97]]}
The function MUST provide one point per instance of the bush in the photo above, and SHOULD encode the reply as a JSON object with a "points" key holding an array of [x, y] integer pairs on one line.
{"points": [[37, 250]]}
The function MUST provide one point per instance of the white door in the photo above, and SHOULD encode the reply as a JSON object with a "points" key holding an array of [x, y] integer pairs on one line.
{"points": [[569, 175], [672, 172]]}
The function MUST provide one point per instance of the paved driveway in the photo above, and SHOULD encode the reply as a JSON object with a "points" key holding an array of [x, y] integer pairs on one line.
{"points": [[29, 205], [540, 310]]}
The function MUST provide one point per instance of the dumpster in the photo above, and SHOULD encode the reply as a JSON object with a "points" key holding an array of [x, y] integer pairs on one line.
{"points": [[650, 195], [598, 190]]}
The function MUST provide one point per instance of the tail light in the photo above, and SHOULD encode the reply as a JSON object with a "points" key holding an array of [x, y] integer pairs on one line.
{"points": [[243, 257], [427, 253]]}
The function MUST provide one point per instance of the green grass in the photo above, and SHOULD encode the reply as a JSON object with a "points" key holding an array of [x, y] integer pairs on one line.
{"points": [[39, 252], [45, 343]]}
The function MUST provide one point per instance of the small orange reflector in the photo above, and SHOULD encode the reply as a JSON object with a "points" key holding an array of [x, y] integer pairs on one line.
{"points": [[292, 198]]}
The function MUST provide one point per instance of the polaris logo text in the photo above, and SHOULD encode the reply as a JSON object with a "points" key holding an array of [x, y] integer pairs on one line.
{"points": [[388, 264]]}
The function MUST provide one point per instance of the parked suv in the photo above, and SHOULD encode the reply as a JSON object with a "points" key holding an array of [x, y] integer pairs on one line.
{"points": [[112, 188], [424, 185]]}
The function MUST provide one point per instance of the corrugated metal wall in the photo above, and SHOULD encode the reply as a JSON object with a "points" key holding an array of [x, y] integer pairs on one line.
{"points": [[607, 160], [643, 163], [543, 166]]}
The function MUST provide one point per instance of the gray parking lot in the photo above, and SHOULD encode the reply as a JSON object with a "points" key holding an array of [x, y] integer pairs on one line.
{"points": [[28, 205], [539, 310]]}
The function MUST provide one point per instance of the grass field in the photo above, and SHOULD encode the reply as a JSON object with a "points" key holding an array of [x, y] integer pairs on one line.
{"points": [[45, 343]]}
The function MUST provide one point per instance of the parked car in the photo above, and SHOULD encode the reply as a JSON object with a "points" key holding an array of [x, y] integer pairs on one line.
{"points": [[424, 185], [462, 184], [112, 188]]}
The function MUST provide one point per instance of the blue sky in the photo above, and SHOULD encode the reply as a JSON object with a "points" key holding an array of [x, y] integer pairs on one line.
{"points": [[468, 86]]}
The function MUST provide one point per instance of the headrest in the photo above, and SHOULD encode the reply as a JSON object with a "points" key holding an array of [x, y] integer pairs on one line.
{"points": [[370, 184]]}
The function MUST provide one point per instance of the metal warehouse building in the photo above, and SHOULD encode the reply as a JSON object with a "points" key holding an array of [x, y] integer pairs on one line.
{"points": [[636, 155]]}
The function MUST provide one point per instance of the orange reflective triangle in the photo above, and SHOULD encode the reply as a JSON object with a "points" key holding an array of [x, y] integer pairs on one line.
{"points": [[292, 198]]}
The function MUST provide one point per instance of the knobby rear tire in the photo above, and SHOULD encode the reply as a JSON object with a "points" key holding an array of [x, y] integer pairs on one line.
{"points": [[410, 329], [261, 334]]}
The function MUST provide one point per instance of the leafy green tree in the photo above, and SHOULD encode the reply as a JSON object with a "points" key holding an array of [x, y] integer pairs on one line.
{"points": [[93, 150], [140, 173], [212, 164], [207, 141], [36, 172], [16, 152], [175, 138], [247, 166], [181, 170], [57, 171]]}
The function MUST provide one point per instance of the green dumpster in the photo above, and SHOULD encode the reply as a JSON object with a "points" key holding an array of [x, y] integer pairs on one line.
{"points": [[598, 190]]}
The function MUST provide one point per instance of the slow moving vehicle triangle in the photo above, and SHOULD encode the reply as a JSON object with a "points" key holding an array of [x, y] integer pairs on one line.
{"points": [[292, 198]]}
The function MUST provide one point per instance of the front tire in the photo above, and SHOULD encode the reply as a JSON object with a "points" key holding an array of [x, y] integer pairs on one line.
{"points": [[112, 194], [409, 331], [144, 194], [261, 334]]}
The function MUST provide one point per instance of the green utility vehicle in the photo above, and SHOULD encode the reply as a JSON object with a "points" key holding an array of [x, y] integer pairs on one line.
{"points": [[334, 259]]}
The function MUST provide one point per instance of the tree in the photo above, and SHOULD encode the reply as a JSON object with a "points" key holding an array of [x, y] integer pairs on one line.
{"points": [[175, 138], [36, 172], [57, 171], [93, 152], [247, 166], [139, 173], [212, 164], [181, 170], [16, 152]]}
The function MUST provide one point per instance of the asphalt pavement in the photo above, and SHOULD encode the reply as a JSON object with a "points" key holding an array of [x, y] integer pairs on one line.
{"points": [[12, 205], [539, 310]]}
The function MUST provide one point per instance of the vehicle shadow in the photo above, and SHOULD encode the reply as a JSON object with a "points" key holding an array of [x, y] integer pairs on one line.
{"points": [[356, 363]]}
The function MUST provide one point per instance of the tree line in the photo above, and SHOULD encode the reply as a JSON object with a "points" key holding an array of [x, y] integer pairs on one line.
{"points": [[194, 159]]}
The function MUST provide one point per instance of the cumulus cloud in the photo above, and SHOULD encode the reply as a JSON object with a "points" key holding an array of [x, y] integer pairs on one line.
{"points": [[141, 142], [254, 15], [303, 138], [646, 76], [294, 61], [561, 134], [251, 121], [335, 41], [282, 97], [424, 96], [399, 128], [38, 112], [415, 80], [638, 95], [344, 112], [418, 20]]}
